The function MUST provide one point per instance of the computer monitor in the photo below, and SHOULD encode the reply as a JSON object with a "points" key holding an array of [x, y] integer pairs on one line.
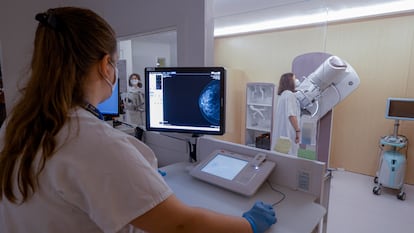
{"points": [[185, 100], [111, 107], [400, 109]]}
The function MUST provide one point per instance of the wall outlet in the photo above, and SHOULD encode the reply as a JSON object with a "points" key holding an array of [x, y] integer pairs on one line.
{"points": [[304, 178]]}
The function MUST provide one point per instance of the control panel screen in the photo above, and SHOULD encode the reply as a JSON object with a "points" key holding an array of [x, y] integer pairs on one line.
{"points": [[224, 166], [239, 173]]}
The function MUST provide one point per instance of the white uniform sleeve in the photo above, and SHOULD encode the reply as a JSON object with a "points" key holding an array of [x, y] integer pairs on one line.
{"points": [[113, 182]]}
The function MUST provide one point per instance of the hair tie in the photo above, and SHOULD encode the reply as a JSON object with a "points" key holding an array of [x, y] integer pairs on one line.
{"points": [[48, 19]]}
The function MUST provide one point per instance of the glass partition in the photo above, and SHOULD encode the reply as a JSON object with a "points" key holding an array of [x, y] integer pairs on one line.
{"points": [[136, 52], [378, 46]]}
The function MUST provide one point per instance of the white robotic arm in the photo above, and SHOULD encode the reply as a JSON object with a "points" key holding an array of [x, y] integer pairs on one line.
{"points": [[328, 85]]}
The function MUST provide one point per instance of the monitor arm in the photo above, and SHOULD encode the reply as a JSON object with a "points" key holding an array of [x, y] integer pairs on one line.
{"points": [[325, 87]]}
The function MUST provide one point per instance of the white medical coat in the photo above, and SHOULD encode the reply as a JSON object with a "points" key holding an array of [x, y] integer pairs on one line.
{"points": [[287, 105], [98, 180]]}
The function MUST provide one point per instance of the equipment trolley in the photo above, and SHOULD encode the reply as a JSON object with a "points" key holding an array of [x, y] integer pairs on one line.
{"points": [[394, 148], [392, 165]]}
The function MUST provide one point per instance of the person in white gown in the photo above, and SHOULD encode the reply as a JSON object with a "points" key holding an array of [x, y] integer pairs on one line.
{"points": [[287, 115], [134, 100]]}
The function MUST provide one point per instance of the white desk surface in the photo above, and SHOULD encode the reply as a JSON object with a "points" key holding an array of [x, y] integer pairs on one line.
{"points": [[297, 213]]}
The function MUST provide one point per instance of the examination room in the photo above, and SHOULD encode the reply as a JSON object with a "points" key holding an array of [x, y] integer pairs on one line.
{"points": [[195, 91]]}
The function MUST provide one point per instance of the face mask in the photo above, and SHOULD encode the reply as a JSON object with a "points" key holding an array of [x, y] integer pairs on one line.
{"points": [[112, 85], [134, 82]]}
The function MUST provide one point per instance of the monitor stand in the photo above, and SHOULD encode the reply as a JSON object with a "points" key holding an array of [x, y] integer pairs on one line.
{"points": [[193, 147], [191, 139]]}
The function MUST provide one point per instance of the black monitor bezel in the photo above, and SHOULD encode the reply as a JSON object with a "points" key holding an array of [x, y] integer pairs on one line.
{"points": [[187, 70]]}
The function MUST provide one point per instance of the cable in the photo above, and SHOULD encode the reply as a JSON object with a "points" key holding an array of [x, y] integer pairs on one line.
{"points": [[275, 190], [118, 122]]}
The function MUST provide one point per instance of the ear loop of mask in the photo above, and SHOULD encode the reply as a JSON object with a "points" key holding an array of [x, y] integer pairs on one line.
{"points": [[112, 85]]}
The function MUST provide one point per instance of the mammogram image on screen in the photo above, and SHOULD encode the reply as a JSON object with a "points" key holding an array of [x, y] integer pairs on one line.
{"points": [[198, 105]]}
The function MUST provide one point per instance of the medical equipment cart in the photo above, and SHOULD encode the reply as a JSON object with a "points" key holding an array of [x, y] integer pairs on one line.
{"points": [[392, 163]]}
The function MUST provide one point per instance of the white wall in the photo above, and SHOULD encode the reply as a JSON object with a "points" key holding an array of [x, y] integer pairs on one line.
{"points": [[145, 54], [125, 52], [192, 21]]}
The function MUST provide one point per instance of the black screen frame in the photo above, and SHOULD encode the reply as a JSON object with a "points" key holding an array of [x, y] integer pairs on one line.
{"points": [[192, 129]]}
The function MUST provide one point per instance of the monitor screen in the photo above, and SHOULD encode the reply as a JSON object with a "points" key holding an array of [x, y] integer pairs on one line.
{"points": [[110, 107], [225, 166], [185, 99], [400, 109]]}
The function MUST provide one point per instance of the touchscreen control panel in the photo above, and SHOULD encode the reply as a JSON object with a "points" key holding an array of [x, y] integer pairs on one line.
{"points": [[239, 173]]}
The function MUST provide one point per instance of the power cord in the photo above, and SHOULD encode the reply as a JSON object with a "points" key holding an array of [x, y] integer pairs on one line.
{"points": [[118, 123], [277, 191]]}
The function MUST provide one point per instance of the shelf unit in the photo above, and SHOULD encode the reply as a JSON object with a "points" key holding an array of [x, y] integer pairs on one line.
{"points": [[259, 114]]}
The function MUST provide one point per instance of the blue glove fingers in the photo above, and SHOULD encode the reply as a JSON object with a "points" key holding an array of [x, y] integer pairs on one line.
{"points": [[268, 211], [269, 214], [261, 216], [263, 206], [162, 173]]}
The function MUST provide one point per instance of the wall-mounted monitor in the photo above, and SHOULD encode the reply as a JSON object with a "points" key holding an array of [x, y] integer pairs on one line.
{"points": [[400, 109], [185, 99], [111, 107]]}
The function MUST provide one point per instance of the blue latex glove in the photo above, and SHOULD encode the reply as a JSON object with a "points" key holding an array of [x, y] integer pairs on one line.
{"points": [[162, 173], [261, 216]]}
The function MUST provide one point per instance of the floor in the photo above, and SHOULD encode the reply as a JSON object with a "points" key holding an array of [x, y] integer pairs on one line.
{"points": [[354, 208]]}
